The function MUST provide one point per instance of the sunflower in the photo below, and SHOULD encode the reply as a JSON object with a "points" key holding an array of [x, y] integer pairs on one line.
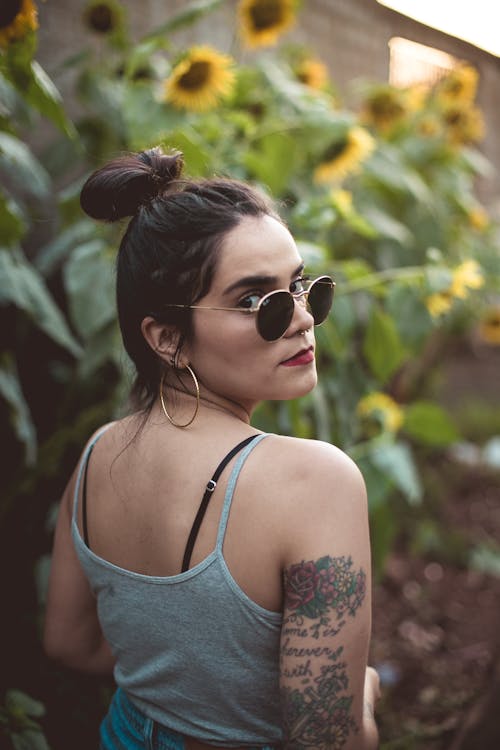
{"points": [[489, 327], [439, 303], [460, 85], [313, 73], [386, 106], [430, 126], [263, 21], [464, 123], [383, 409], [342, 200], [478, 218], [467, 275], [345, 156], [199, 80], [104, 16], [17, 18]]}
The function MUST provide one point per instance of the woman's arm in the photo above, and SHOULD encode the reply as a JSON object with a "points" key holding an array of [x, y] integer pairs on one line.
{"points": [[325, 685], [72, 634]]}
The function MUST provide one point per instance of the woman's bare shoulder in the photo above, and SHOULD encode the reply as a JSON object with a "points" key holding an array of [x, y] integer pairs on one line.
{"points": [[319, 494], [313, 460]]}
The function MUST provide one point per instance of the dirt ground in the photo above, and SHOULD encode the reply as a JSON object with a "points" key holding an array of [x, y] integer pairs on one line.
{"points": [[436, 629]]}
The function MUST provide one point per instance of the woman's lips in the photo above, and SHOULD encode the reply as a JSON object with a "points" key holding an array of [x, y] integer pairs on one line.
{"points": [[304, 357]]}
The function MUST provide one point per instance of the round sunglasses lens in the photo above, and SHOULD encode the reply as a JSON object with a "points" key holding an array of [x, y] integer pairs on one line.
{"points": [[275, 315], [320, 298]]}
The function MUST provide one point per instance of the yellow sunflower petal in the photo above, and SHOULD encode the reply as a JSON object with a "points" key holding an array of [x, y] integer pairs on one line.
{"points": [[439, 303], [382, 407], [345, 157], [312, 73], [263, 21], [467, 275], [464, 123], [460, 85], [200, 80], [17, 20]]}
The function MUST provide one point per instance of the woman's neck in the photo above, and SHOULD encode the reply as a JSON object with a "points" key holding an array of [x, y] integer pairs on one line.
{"points": [[185, 399]]}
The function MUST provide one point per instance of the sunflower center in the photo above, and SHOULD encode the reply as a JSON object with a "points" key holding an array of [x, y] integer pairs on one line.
{"points": [[334, 151], [101, 19], [266, 14], [8, 11], [197, 75]]}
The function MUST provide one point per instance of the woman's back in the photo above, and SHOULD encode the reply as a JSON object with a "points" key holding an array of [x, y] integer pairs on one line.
{"points": [[144, 488]]}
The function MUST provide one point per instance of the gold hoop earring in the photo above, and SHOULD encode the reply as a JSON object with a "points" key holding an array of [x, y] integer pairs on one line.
{"points": [[162, 399]]}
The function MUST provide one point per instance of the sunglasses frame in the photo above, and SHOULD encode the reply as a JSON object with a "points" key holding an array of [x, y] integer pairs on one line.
{"points": [[263, 301]]}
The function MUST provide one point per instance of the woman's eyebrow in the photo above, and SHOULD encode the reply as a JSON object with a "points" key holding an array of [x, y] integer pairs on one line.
{"points": [[259, 280]]}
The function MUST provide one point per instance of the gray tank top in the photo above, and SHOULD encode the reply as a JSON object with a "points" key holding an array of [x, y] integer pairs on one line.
{"points": [[192, 650]]}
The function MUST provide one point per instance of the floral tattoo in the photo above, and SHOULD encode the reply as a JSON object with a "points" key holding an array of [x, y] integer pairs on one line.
{"points": [[319, 596]]}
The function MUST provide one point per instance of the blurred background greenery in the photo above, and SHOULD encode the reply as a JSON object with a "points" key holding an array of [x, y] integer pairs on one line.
{"points": [[381, 194]]}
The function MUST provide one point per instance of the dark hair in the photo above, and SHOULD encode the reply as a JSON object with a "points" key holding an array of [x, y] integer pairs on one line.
{"points": [[169, 250]]}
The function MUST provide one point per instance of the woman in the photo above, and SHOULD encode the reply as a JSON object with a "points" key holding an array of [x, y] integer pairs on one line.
{"points": [[243, 621]]}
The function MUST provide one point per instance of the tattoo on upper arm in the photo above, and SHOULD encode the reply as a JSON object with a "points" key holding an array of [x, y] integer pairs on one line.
{"points": [[319, 598]]}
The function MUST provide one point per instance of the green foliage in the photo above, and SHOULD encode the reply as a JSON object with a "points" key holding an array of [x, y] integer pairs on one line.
{"points": [[398, 225], [18, 723]]}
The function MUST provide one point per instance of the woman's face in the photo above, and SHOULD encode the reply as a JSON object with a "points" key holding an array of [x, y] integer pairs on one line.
{"points": [[226, 351]]}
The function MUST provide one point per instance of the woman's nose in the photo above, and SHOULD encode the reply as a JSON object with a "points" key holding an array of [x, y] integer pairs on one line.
{"points": [[302, 319]]}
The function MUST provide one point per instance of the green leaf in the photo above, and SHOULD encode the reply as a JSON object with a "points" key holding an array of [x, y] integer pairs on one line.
{"points": [[383, 531], [387, 226], [50, 256], [486, 559], [30, 739], [10, 389], [16, 700], [12, 223], [21, 285], [185, 17], [387, 168], [23, 169], [9, 98], [89, 282], [382, 346], [104, 346], [395, 460], [196, 154], [491, 452], [148, 120], [313, 255], [43, 95], [378, 483], [273, 160], [429, 423], [404, 303]]}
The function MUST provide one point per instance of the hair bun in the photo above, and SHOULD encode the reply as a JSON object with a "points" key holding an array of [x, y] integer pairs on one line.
{"points": [[124, 184]]}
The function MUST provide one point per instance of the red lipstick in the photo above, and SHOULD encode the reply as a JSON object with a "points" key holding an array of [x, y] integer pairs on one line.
{"points": [[304, 357]]}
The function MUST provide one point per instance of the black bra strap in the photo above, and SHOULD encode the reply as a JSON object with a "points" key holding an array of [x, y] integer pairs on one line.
{"points": [[206, 499], [84, 500]]}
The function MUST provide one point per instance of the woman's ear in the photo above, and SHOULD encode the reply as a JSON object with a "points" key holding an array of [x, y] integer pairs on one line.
{"points": [[162, 338]]}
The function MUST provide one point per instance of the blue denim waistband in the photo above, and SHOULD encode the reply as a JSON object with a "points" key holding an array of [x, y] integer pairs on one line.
{"points": [[126, 727]]}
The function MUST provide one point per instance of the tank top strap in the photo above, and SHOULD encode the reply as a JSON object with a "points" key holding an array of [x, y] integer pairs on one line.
{"points": [[84, 464], [233, 478]]}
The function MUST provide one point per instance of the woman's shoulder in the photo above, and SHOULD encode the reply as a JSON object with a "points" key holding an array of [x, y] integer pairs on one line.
{"points": [[313, 496], [113, 433], [314, 460]]}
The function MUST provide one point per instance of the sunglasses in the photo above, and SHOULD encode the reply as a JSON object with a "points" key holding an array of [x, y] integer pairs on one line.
{"points": [[275, 310]]}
